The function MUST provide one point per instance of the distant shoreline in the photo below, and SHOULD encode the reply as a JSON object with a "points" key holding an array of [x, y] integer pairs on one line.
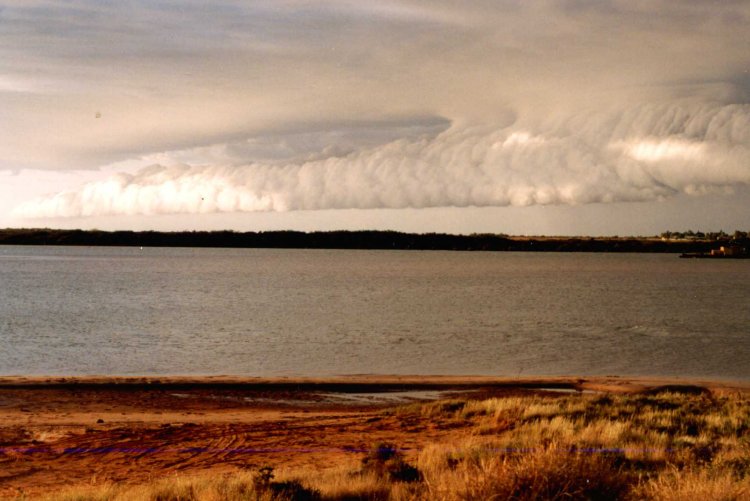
{"points": [[370, 240]]}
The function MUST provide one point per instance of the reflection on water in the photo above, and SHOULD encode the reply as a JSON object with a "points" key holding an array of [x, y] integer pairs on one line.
{"points": [[386, 397], [262, 312]]}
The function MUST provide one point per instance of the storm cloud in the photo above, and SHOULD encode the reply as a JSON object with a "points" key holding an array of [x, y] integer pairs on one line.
{"points": [[646, 154], [270, 106]]}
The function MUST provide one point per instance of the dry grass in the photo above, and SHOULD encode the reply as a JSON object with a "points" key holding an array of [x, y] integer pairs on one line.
{"points": [[696, 484], [666, 445]]}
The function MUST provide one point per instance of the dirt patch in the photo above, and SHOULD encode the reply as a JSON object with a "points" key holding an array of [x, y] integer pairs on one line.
{"points": [[56, 433]]}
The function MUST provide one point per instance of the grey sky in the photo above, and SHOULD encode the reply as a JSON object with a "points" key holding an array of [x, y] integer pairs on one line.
{"points": [[499, 116]]}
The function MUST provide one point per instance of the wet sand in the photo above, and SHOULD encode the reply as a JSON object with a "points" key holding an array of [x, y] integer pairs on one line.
{"points": [[57, 432]]}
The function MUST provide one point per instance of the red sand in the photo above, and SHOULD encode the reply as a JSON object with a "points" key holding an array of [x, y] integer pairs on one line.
{"points": [[57, 432]]}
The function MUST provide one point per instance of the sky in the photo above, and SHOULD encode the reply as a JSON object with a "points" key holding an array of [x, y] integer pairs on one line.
{"points": [[566, 117]]}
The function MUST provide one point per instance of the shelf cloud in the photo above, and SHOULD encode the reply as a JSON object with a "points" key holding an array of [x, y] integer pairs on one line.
{"points": [[341, 104], [646, 154]]}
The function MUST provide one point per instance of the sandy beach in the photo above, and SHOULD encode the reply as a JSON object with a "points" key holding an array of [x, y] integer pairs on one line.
{"points": [[59, 432]]}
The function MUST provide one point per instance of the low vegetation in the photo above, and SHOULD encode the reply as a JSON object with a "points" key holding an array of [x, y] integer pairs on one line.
{"points": [[674, 444]]}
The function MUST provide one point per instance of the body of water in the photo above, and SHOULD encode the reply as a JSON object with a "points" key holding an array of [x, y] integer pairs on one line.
{"points": [[270, 312]]}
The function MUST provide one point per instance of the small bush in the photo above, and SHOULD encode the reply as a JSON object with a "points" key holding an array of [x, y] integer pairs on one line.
{"points": [[385, 460], [288, 490]]}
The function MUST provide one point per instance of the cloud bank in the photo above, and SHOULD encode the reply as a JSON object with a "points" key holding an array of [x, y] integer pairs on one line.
{"points": [[645, 153], [239, 106]]}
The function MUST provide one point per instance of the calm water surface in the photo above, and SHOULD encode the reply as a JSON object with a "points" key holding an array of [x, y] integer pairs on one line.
{"points": [[261, 312]]}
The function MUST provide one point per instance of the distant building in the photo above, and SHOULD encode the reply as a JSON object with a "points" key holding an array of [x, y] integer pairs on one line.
{"points": [[728, 250]]}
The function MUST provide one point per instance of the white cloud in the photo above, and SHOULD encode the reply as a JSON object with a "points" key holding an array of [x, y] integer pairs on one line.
{"points": [[241, 104], [648, 150], [638, 156], [168, 77]]}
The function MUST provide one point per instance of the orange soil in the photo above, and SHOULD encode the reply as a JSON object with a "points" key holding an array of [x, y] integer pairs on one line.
{"points": [[57, 432]]}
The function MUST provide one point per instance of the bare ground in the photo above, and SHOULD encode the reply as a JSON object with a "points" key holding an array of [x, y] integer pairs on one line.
{"points": [[60, 432]]}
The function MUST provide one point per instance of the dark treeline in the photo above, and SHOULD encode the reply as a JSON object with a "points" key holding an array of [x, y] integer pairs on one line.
{"points": [[352, 240], [708, 235]]}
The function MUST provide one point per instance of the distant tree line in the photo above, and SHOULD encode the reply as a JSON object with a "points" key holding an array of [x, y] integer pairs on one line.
{"points": [[709, 235], [362, 240]]}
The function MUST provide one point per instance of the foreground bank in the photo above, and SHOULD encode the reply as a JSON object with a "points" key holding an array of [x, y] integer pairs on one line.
{"points": [[310, 439]]}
